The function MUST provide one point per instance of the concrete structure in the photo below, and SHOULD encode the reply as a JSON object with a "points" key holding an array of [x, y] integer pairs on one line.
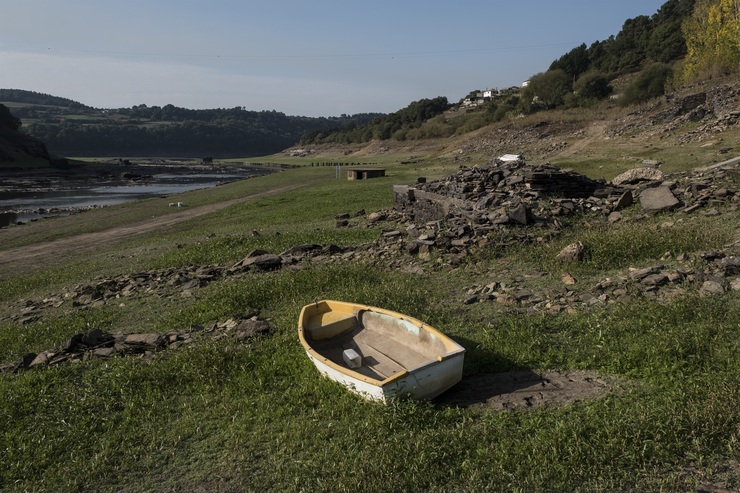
{"points": [[364, 173]]}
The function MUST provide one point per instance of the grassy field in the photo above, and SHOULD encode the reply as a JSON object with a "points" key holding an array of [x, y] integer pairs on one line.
{"points": [[221, 415]]}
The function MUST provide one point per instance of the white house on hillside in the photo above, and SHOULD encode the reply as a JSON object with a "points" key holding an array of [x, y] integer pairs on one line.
{"points": [[478, 98]]}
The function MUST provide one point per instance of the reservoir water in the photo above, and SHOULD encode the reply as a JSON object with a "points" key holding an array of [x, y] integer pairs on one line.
{"points": [[20, 206]]}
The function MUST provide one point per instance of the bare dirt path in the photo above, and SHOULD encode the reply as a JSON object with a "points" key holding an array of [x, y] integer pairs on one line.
{"points": [[595, 131], [40, 253]]}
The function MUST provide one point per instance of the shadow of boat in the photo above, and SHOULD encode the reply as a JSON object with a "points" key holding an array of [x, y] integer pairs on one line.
{"points": [[523, 389], [526, 389]]}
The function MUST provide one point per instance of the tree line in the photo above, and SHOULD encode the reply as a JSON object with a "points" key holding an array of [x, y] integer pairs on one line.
{"points": [[73, 129], [683, 40], [380, 127]]}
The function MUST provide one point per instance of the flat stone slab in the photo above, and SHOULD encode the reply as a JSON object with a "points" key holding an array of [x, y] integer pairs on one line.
{"points": [[658, 199], [638, 175]]}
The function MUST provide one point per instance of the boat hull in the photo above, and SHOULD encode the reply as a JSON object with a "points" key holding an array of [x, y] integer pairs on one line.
{"points": [[401, 356]]}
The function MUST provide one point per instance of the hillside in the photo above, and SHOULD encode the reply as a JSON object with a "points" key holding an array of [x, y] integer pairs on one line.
{"points": [[651, 55], [16, 145], [71, 128], [696, 123], [683, 42], [145, 347]]}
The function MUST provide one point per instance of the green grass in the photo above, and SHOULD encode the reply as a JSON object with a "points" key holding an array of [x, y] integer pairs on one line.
{"points": [[260, 416], [633, 243], [256, 416]]}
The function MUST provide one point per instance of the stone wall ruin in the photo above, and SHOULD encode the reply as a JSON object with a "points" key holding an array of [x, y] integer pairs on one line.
{"points": [[502, 192]]}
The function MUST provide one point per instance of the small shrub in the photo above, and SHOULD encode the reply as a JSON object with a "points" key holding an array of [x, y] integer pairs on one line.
{"points": [[649, 84]]}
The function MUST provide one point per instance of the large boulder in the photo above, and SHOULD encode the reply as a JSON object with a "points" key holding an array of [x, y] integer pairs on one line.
{"points": [[638, 175], [658, 199]]}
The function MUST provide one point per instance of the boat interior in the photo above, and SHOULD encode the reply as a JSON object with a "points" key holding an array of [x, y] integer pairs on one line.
{"points": [[386, 344]]}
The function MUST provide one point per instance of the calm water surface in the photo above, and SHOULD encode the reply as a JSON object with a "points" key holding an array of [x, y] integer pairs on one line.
{"points": [[24, 206]]}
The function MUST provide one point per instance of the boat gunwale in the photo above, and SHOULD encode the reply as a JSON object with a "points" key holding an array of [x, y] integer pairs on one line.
{"points": [[314, 354]]}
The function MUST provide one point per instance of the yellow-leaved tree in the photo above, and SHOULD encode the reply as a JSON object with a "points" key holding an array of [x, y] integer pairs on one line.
{"points": [[712, 36]]}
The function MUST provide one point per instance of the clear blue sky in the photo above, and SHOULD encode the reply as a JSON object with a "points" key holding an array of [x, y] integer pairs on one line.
{"points": [[312, 58]]}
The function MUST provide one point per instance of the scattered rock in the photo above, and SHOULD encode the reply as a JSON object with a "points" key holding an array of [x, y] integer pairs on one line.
{"points": [[143, 342], [264, 262], [710, 287], [658, 199], [568, 279], [99, 344], [614, 217], [640, 274], [376, 217], [520, 215], [575, 252], [625, 200], [472, 299], [638, 175], [301, 250]]}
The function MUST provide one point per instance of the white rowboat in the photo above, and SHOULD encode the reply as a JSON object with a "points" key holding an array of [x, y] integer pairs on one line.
{"points": [[378, 353]]}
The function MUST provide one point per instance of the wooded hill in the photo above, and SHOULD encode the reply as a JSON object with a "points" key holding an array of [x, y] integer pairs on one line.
{"points": [[74, 129], [682, 41], [14, 143]]}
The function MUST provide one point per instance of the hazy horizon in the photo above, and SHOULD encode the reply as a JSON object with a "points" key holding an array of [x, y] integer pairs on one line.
{"points": [[318, 59]]}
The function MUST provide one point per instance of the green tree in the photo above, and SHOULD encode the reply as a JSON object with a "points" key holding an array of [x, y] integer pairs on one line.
{"points": [[573, 63], [592, 86], [667, 42], [506, 107], [395, 125], [649, 84], [712, 39], [546, 90], [630, 45]]}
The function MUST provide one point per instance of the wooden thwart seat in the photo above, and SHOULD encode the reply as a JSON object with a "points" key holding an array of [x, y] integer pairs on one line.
{"points": [[378, 353], [382, 356]]}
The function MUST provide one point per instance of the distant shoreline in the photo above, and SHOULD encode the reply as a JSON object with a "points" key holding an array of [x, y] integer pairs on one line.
{"points": [[34, 194]]}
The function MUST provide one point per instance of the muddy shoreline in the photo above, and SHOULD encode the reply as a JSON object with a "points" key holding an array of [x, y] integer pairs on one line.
{"points": [[29, 193]]}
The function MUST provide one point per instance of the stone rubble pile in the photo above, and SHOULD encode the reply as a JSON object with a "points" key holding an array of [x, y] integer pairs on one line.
{"points": [[490, 203], [97, 343], [502, 193], [163, 282], [488, 206], [715, 273], [494, 206], [104, 290]]}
